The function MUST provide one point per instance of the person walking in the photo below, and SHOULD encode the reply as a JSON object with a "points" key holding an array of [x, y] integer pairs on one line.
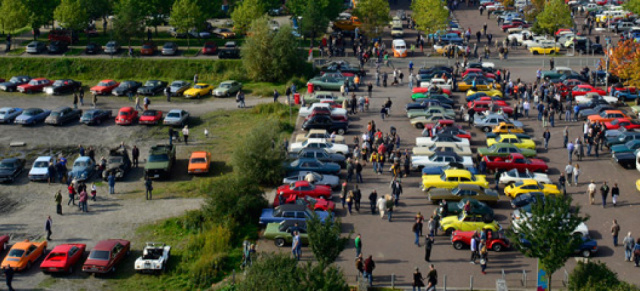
{"points": [[146, 102], [48, 226], [565, 136], [420, 221], [416, 230], [275, 95], [369, 266], [343, 193], [358, 169], [636, 253], [83, 201], [135, 154], [58, 199], [591, 190], [628, 244], [111, 180], [72, 194], [148, 186], [615, 192], [81, 95], [546, 135], [295, 245], [576, 173], [167, 93], [389, 206], [94, 99], [349, 201], [373, 197], [360, 267], [358, 245], [382, 205], [94, 191], [396, 190], [138, 108], [75, 100], [428, 246], [357, 196], [474, 248], [8, 275], [615, 230], [418, 280], [432, 278], [604, 192], [483, 258], [185, 134]]}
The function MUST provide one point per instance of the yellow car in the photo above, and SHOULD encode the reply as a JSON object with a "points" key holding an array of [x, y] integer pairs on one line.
{"points": [[638, 184], [521, 143], [199, 90], [504, 127], [24, 254], [481, 85], [489, 91], [530, 185], [451, 178], [465, 222], [443, 49], [540, 50]]}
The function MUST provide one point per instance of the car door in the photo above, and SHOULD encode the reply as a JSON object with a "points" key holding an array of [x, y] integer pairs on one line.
{"points": [[288, 215], [30, 253]]}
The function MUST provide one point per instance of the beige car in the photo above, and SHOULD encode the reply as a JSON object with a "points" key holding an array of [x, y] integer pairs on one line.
{"points": [[442, 146], [318, 133]]}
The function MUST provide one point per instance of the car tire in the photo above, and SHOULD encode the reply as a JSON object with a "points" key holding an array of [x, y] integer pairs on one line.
{"points": [[535, 53], [279, 242], [497, 247], [29, 265], [449, 231], [458, 245], [486, 129], [70, 271], [419, 125], [586, 253], [341, 131]]}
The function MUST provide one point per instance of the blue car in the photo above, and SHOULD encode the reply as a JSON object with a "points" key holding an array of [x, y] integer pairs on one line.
{"points": [[8, 114], [314, 165], [290, 212], [627, 147], [32, 116], [587, 248], [83, 169], [626, 94]]}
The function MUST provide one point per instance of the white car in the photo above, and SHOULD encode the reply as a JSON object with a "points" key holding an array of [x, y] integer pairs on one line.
{"points": [[518, 35], [517, 217], [514, 175], [439, 160], [319, 143], [429, 141], [40, 169], [540, 40], [587, 97], [319, 133], [444, 147], [320, 179], [306, 111], [438, 82], [155, 257]]}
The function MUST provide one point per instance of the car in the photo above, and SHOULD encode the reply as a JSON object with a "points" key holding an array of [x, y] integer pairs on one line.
{"points": [[530, 185], [282, 233], [343, 67], [622, 138], [306, 164], [303, 189], [496, 241], [504, 150], [126, 116], [504, 127], [36, 47], [439, 159], [492, 92], [587, 247], [176, 117], [227, 88], [40, 169], [104, 87], [62, 115], [62, 86], [118, 162], [10, 169], [327, 123], [514, 161], [148, 49], [112, 47], [199, 162], [628, 147], [607, 115], [83, 169], [154, 259], [581, 90], [593, 95], [290, 212], [9, 114], [318, 179], [105, 256], [160, 160], [319, 133], [489, 121], [330, 83], [150, 117], [325, 107], [413, 113], [152, 87], [95, 116], [228, 53], [198, 90], [467, 222], [482, 84], [169, 49], [24, 254], [514, 140], [58, 47], [14, 82], [177, 88], [92, 48], [321, 154], [476, 192], [32, 116], [209, 48], [545, 49], [456, 208], [62, 258], [429, 141], [223, 33], [126, 87], [323, 96], [585, 113], [319, 144], [525, 199], [421, 122], [34, 85], [451, 179], [515, 175], [447, 147]]}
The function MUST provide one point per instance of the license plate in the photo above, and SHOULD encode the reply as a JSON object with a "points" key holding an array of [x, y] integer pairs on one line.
{"points": [[156, 176]]}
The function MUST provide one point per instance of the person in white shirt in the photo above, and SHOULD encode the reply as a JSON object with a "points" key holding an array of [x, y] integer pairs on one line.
{"points": [[591, 189]]}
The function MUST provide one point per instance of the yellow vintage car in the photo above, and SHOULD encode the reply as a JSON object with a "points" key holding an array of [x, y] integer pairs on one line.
{"points": [[464, 222], [489, 91], [519, 142], [198, 90], [544, 50], [638, 185], [481, 85], [504, 127], [530, 185], [443, 49], [451, 178]]}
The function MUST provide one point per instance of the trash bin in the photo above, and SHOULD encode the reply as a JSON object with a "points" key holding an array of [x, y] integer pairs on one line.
{"points": [[309, 88], [296, 98]]}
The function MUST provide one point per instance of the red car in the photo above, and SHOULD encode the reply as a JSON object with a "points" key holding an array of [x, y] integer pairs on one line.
{"points": [[426, 89], [126, 116], [106, 255], [514, 24], [516, 161], [35, 85], [326, 111], [582, 90], [561, 30], [442, 123], [565, 86], [496, 241], [333, 104], [495, 100], [310, 202], [303, 188], [148, 49], [104, 87], [150, 117], [454, 130], [62, 258], [482, 106], [623, 122], [4, 242], [210, 48]]}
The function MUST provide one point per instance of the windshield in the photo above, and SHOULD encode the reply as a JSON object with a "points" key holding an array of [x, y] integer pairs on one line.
{"points": [[41, 164], [104, 84], [159, 158], [99, 255], [199, 86], [198, 161], [55, 114], [87, 115], [115, 160], [226, 86], [80, 164], [58, 83], [177, 84], [146, 46], [150, 83], [149, 113], [14, 80], [124, 113], [173, 115], [6, 165], [16, 253]]}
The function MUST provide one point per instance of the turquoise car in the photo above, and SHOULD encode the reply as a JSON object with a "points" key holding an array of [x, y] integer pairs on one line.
{"points": [[330, 83]]}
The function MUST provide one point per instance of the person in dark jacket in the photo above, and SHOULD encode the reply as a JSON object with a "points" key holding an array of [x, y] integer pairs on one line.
{"points": [[357, 196], [369, 266], [148, 185], [373, 198], [135, 154], [8, 274], [429, 240], [418, 280]]}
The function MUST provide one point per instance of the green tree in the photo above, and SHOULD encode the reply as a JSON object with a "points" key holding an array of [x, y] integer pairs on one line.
{"points": [[314, 21], [41, 12], [97, 8], [185, 16], [325, 240], [71, 14], [211, 8], [286, 57], [260, 155], [234, 198], [430, 15], [129, 20], [632, 6], [156, 11], [374, 15], [549, 233], [532, 10], [14, 14], [556, 15], [590, 274], [316, 14], [244, 15]]}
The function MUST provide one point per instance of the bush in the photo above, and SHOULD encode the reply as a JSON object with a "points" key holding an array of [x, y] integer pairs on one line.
{"points": [[205, 255], [325, 240], [233, 198], [596, 276]]}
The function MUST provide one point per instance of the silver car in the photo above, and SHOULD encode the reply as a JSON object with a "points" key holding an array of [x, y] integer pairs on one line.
{"points": [[36, 47], [492, 120], [112, 47], [176, 117], [178, 87], [320, 179], [169, 49]]}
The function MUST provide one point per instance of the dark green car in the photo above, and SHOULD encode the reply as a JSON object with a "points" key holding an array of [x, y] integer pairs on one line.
{"points": [[160, 161], [477, 207], [330, 83], [463, 191], [282, 233], [504, 150]]}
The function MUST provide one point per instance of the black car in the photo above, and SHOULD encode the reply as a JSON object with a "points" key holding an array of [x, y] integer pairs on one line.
{"points": [[93, 48], [584, 114], [228, 53], [325, 122], [582, 47], [62, 115], [626, 160], [152, 87], [425, 103], [62, 86], [526, 199], [10, 169], [125, 87], [14, 82], [342, 66], [95, 116], [58, 47], [591, 104], [321, 155]]}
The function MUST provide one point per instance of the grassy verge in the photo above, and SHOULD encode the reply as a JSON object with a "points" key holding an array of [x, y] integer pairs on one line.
{"points": [[16, 51], [159, 40], [74, 52]]}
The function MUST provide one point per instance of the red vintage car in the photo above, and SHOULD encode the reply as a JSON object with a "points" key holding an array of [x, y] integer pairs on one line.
{"points": [[516, 161], [565, 86], [333, 104], [496, 241], [148, 49], [496, 100], [106, 255], [442, 123], [4, 242], [426, 89], [126, 116], [326, 111], [310, 202], [35, 85], [210, 48], [582, 90], [150, 117], [478, 72], [303, 188], [623, 122], [514, 24], [62, 258], [104, 87], [482, 106]]}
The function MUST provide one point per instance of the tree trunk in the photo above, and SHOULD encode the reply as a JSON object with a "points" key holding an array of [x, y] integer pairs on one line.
{"points": [[549, 275]]}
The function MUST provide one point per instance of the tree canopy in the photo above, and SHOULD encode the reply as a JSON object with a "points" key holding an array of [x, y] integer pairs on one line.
{"points": [[14, 14], [129, 20], [325, 240], [624, 62], [556, 15], [244, 15], [430, 15], [41, 12], [374, 15], [71, 14], [632, 6]]}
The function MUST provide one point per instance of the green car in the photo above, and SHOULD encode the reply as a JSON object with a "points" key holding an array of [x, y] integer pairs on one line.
{"points": [[330, 83], [227, 88], [412, 113], [160, 161], [504, 150], [281, 233], [417, 96], [477, 208], [323, 96], [550, 75]]}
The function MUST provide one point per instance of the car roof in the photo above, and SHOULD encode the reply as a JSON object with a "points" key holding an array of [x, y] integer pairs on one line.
{"points": [[129, 108], [175, 111], [107, 80], [199, 154], [22, 245], [61, 108], [44, 158], [9, 160], [62, 248], [318, 140], [106, 245], [83, 158], [529, 182], [457, 172]]}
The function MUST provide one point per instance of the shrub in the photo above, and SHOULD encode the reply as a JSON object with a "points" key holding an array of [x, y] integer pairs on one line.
{"points": [[233, 198], [325, 240], [205, 255], [260, 155], [596, 276]]}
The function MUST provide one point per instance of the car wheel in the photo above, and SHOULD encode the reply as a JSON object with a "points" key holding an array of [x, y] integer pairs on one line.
{"points": [[535, 53], [586, 253], [29, 265], [458, 245], [497, 247], [486, 129], [279, 242], [98, 121], [449, 231], [419, 125], [198, 96], [341, 131]]}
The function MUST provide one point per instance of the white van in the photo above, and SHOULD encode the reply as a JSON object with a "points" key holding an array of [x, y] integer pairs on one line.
{"points": [[399, 48]]}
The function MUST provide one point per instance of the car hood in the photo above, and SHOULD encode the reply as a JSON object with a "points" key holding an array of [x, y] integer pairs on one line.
{"points": [[38, 171], [8, 84], [156, 165], [6, 173]]}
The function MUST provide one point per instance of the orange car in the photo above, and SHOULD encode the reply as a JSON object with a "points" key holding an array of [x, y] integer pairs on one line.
{"points": [[199, 163], [148, 49], [23, 254], [606, 116]]}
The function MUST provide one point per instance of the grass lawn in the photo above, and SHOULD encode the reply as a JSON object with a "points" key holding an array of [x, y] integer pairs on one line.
{"points": [[159, 40]]}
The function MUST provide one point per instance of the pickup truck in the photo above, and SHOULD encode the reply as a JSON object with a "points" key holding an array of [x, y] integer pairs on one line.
{"points": [[515, 161], [160, 161]]}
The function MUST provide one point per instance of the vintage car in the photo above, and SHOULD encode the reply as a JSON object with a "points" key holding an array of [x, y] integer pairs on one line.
{"points": [[34, 85], [160, 160], [82, 170], [9, 114], [627, 123], [587, 246], [489, 91], [320, 154], [330, 83], [442, 147], [413, 113], [62, 115], [304, 188], [429, 141], [282, 233], [290, 212], [40, 169], [607, 115], [306, 164], [104, 257], [496, 241], [488, 122], [320, 144], [152, 87], [227, 88], [467, 222], [463, 191], [581, 90], [176, 117], [514, 161], [126, 87], [319, 133], [318, 179], [62, 86], [543, 49], [531, 185], [14, 82], [319, 96], [504, 150], [457, 207], [150, 117], [518, 141], [504, 127], [154, 259], [307, 110], [4, 242], [199, 163], [126, 116], [104, 87], [451, 179], [515, 175], [63, 258], [177, 88], [311, 202], [118, 162], [628, 147], [198, 90], [24, 254], [421, 122], [440, 159], [10, 169], [525, 199]]}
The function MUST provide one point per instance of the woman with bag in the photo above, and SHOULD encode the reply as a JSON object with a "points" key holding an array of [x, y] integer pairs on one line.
{"points": [[483, 257], [418, 280]]}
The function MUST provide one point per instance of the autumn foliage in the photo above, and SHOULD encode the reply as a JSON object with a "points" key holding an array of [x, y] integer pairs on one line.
{"points": [[624, 62]]}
